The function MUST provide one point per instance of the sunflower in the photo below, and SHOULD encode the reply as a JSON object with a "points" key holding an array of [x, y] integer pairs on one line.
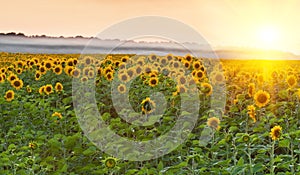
{"points": [[124, 77], [199, 75], [48, 64], [291, 81], [48, 89], [32, 145], [57, 114], [187, 64], [2, 79], [260, 78], [197, 65], [57, 69], [130, 72], [17, 84], [275, 132], [38, 75], [41, 90], [206, 88], [91, 73], [181, 89], [218, 78], [88, 60], [109, 76], [138, 70], [58, 87], [163, 61], [19, 70], [125, 59], [122, 88], [251, 89], [153, 81], [148, 106], [213, 122], [43, 70], [251, 112], [181, 80], [246, 138], [9, 95], [110, 162], [70, 62], [261, 98], [28, 89], [12, 77], [84, 79], [176, 64], [76, 73], [169, 57], [153, 57], [188, 58], [68, 70]]}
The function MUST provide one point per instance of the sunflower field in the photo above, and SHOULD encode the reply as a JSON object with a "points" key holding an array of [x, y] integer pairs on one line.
{"points": [[254, 130]]}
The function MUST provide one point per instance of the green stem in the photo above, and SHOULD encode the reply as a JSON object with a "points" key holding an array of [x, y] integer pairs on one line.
{"points": [[250, 160], [272, 167]]}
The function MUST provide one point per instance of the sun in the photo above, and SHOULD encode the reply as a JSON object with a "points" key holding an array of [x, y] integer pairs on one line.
{"points": [[268, 37]]}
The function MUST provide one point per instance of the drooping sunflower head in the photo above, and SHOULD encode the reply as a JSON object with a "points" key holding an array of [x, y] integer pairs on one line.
{"points": [[291, 81], [214, 123], [206, 88], [262, 98], [275, 132], [251, 89], [9, 95]]}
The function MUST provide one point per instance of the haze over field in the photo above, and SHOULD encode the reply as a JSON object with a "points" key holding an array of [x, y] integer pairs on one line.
{"points": [[44, 44]]}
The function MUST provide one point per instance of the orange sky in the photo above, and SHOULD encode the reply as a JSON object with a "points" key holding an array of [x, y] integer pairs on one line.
{"points": [[222, 23]]}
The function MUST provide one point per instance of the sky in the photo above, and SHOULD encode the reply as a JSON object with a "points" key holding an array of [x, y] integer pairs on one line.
{"points": [[267, 24]]}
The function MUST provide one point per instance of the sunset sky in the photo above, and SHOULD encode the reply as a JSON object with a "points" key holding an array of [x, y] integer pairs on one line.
{"points": [[260, 24]]}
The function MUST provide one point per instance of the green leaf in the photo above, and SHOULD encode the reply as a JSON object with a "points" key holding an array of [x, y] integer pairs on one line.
{"points": [[284, 143], [240, 162]]}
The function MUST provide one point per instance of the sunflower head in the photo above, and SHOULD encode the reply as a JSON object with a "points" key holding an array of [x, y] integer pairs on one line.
{"points": [[122, 88], [32, 145], [48, 89], [9, 95], [206, 88], [246, 138], [58, 87], [251, 89], [148, 106], [291, 80], [213, 122], [275, 132], [261, 98], [17, 84], [110, 162], [153, 81]]}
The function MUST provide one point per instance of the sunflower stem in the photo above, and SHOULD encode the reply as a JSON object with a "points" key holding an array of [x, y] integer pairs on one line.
{"points": [[272, 167]]}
